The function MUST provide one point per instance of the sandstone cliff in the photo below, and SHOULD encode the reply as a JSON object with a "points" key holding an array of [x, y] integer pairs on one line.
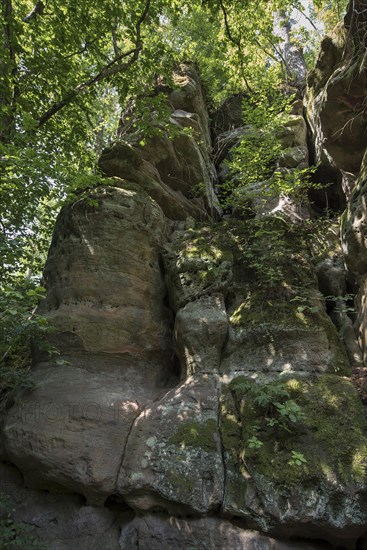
{"points": [[206, 396]]}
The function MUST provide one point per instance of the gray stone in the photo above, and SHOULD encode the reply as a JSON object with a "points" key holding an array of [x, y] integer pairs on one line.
{"points": [[61, 522], [294, 157], [165, 533], [173, 459], [199, 335], [113, 334]]}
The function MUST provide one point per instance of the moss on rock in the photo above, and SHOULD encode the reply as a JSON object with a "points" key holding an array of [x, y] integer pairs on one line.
{"points": [[181, 482], [195, 434], [256, 309], [331, 433]]}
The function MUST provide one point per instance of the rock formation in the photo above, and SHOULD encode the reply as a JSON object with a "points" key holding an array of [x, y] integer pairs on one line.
{"points": [[201, 396]]}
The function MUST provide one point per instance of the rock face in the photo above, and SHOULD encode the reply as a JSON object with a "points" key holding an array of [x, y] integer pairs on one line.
{"points": [[335, 103], [107, 305], [354, 248], [65, 521], [201, 395], [161, 165], [154, 533], [338, 111]]}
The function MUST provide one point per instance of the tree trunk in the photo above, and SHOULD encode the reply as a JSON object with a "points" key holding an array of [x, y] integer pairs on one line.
{"points": [[7, 72], [292, 56]]}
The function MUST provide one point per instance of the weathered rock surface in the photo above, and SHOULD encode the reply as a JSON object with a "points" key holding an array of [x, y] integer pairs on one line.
{"points": [[354, 245], [115, 162], [113, 332], [335, 103], [175, 170], [201, 396], [64, 522], [280, 497], [104, 298], [59, 522], [200, 333], [277, 321], [173, 459], [159, 533], [353, 226]]}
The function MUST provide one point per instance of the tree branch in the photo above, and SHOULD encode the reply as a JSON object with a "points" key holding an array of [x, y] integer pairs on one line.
{"points": [[8, 72], [37, 10], [113, 67], [236, 42], [107, 71], [83, 49], [116, 49], [140, 21], [303, 13], [226, 24]]}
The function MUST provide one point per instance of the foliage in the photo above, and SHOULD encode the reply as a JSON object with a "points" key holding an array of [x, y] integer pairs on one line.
{"points": [[304, 305], [297, 459], [275, 402], [67, 68], [279, 411], [330, 12], [271, 247], [255, 172], [19, 326], [343, 304], [55, 111], [320, 447], [253, 160]]}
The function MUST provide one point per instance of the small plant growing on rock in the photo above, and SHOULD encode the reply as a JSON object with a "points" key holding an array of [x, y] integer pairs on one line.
{"points": [[280, 412], [297, 459], [254, 442], [305, 307]]}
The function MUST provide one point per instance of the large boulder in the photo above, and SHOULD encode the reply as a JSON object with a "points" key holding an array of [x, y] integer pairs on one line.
{"points": [[112, 334], [173, 459]]}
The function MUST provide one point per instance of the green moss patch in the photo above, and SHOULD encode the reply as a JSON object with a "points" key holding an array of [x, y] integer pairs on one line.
{"points": [[330, 433], [181, 483], [257, 309], [194, 434]]}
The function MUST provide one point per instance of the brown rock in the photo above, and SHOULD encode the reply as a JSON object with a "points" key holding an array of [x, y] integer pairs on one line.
{"points": [[199, 335], [60, 522], [113, 333]]}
